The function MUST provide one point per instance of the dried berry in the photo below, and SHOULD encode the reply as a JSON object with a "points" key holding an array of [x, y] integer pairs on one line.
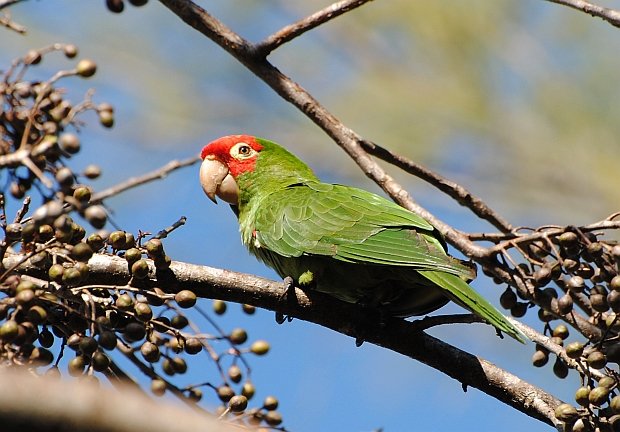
{"points": [[566, 413], [193, 346], [238, 403], [86, 68], [185, 299], [225, 393], [238, 336], [540, 358]]}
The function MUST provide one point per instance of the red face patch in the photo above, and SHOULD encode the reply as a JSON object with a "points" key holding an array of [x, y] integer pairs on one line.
{"points": [[237, 152]]}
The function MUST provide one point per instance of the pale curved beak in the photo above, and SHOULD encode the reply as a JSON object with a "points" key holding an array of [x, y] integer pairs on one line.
{"points": [[216, 180]]}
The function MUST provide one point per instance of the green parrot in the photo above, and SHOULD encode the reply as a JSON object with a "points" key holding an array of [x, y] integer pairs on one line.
{"points": [[339, 240]]}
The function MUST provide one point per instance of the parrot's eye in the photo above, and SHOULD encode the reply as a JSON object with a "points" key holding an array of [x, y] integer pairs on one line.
{"points": [[242, 151]]}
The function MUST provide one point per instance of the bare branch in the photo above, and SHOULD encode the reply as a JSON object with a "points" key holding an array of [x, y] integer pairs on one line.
{"points": [[610, 15], [292, 31], [8, 23], [140, 180], [450, 188]]}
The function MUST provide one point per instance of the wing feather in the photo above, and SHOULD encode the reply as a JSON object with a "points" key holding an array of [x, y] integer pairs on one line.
{"points": [[351, 225]]}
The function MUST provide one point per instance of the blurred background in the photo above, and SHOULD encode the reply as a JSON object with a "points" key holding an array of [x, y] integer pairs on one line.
{"points": [[516, 100]]}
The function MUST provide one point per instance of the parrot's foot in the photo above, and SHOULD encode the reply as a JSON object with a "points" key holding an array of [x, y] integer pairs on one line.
{"points": [[289, 288], [288, 295], [281, 318], [376, 319]]}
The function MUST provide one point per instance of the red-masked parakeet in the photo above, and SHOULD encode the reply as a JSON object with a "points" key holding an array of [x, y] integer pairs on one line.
{"points": [[339, 240]]}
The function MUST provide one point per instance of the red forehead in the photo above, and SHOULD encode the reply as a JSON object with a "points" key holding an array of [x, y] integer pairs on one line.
{"points": [[221, 146]]}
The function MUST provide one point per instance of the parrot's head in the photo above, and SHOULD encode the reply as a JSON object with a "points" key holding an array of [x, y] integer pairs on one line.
{"points": [[248, 164], [223, 161]]}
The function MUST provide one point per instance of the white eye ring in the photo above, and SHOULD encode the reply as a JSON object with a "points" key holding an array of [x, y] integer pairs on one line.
{"points": [[242, 151]]}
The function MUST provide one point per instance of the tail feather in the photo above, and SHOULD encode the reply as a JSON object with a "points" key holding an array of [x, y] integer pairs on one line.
{"points": [[459, 291]]}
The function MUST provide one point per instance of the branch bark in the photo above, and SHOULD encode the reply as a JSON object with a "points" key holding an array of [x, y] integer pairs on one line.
{"points": [[610, 15], [292, 31], [50, 405]]}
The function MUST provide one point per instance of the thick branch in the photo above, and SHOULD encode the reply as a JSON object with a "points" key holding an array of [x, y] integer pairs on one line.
{"points": [[397, 335], [43, 404]]}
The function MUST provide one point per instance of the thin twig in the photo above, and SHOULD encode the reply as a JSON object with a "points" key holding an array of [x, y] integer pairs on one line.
{"points": [[610, 15], [12, 25], [166, 231], [437, 320], [23, 210], [149, 372], [551, 232], [133, 182], [552, 347], [298, 28]]}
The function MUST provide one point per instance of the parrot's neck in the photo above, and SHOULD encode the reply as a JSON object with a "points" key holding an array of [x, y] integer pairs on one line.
{"points": [[275, 170]]}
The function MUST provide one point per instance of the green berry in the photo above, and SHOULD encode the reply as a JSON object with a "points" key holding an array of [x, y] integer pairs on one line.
{"points": [[260, 347], [598, 396], [140, 269]]}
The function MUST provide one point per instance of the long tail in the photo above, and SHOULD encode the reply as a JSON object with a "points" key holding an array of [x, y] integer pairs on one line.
{"points": [[459, 291]]}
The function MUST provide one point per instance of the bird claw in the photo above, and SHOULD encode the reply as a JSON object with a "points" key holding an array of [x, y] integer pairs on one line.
{"points": [[288, 295], [281, 318], [377, 318], [289, 288]]}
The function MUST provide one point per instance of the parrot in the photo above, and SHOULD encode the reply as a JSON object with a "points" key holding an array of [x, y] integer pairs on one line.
{"points": [[340, 240]]}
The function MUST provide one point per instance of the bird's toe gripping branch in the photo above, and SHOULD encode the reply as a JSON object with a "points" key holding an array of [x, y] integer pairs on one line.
{"points": [[289, 295]]}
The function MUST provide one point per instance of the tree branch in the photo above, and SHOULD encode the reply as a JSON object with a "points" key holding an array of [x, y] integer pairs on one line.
{"points": [[49, 405], [610, 15], [450, 188], [352, 320], [133, 182], [288, 33]]}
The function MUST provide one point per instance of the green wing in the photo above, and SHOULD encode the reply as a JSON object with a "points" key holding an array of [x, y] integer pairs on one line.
{"points": [[350, 225]]}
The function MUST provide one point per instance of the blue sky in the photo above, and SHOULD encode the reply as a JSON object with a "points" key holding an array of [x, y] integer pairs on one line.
{"points": [[174, 91]]}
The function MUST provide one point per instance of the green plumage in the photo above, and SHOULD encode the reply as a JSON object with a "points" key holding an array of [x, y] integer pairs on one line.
{"points": [[349, 243]]}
